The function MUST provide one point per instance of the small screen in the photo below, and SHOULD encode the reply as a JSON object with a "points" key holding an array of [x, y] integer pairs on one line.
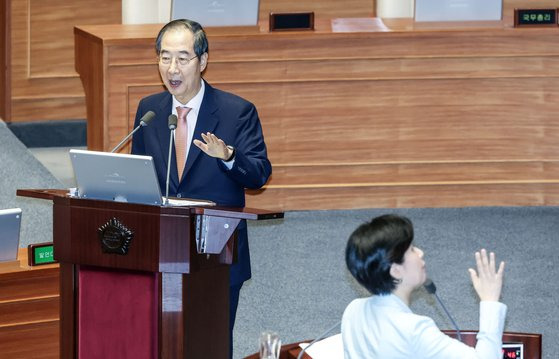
{"points": [[292, 21], [44, 255], [536, 17], [513, 351]]}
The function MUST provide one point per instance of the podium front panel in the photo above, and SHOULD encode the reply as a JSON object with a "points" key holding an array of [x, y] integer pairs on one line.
{"points": [[117, 314]]}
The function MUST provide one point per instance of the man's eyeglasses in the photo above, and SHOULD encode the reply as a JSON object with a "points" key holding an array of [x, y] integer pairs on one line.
{"points": [[182, 60]]}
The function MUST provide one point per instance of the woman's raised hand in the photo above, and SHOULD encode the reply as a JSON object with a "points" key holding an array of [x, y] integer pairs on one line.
{"points": [[487, 281]]}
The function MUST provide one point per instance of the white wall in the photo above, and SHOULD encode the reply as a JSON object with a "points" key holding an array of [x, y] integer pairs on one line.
{"points": [[395, 8], [146, 11]]}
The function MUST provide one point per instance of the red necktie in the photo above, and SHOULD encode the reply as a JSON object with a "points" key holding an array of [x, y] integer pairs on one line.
{"points": [[181, 138]]}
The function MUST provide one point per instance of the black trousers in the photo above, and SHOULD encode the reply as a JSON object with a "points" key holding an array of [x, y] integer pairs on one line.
{"points": [[234, 291]]}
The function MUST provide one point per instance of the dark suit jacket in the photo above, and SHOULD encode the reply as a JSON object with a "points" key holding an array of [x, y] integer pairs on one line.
{"points": [[236, 122]]}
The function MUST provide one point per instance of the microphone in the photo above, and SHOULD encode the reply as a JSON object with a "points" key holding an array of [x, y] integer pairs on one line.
{"points": [[432, 289], [320, 337], [150, 115], [172, 126]]}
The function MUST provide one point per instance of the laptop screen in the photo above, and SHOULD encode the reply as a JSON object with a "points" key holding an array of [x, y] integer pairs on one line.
{"points": [[116, 177], [10, 223]]}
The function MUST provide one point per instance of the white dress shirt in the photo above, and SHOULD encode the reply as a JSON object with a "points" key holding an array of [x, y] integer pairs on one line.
{"points": [[384, 327], [192, 118], [195, 103]]}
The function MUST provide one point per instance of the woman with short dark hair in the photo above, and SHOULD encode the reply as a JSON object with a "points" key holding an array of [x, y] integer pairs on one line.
{"points": [[381, 256]]}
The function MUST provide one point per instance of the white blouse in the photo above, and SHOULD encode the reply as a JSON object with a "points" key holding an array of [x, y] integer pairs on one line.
{"points": [[385, 327]]}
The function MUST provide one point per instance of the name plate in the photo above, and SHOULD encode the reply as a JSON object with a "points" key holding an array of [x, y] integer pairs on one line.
{"points": [[535, 17], [40, 253]]}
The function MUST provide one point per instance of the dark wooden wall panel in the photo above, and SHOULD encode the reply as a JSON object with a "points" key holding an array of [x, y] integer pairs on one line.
{"points": [[45, 85], [5, 82]]}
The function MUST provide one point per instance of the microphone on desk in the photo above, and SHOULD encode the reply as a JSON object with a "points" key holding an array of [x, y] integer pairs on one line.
{"points": [[172, 126], [320, 337], [432, 289], [150, 115]]}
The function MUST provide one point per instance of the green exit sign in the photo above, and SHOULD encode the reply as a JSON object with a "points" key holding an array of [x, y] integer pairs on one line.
{"points": [[41, 253], [535, 17]]}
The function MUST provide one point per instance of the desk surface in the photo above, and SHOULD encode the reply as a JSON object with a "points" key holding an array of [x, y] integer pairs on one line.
{"points": [[7, 268], [115, 33]]}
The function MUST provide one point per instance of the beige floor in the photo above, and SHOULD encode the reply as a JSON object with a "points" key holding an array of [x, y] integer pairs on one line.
{"points": [[57, 161]]}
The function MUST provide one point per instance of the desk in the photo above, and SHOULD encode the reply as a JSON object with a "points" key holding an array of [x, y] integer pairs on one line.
{"points": [[400, 118], [29, 310], [532, 344], [288, 351]]}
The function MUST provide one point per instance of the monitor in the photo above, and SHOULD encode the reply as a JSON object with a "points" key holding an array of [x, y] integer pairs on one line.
{"points": [[115, 177], [10, 224], [217, 12], [458, 10]]}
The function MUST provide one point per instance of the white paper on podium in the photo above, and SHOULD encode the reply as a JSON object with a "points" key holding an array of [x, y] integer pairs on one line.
{"points": [[189, 202], [329, 348], [358, 24]]}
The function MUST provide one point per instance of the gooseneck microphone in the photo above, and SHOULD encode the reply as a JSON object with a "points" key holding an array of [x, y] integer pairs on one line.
{"points": [[320, 337], [150, 115], [172, 126], [432, 289]]}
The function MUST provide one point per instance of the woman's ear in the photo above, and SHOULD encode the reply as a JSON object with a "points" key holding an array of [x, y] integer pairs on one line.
{"points": [[396, 271]]}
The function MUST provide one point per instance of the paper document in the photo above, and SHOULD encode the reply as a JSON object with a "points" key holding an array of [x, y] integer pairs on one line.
{"points": [[329, 348], [178, 202], [361, 24]]}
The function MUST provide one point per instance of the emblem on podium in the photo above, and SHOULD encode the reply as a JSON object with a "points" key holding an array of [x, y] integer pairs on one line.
{"points": [[115, 237]]}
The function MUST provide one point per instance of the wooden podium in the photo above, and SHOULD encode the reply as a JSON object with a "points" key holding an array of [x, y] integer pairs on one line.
{"points": [[140, 281]]}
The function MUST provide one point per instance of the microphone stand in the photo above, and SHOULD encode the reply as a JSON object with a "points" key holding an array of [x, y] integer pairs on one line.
{"points": [[431, 288], [172, 127], [320, 337], [127, 137], [143, 122]]}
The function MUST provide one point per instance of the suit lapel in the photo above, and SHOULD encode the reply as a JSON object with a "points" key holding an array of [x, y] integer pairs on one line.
{"points": [[207, 122], [163, 135]]}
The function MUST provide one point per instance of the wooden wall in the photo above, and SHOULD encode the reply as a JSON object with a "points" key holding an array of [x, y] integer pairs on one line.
{"points": [[390, 119], [424, 119], [45, 85], [5, 94]]}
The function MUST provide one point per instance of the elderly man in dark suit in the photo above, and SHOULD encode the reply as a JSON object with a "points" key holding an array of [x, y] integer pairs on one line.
{"points": [[219, 149]]}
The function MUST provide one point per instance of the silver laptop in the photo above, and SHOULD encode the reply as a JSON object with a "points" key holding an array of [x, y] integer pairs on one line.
{"points": [[217, 12], [10, 224], [116, 177], [458, 10]]}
